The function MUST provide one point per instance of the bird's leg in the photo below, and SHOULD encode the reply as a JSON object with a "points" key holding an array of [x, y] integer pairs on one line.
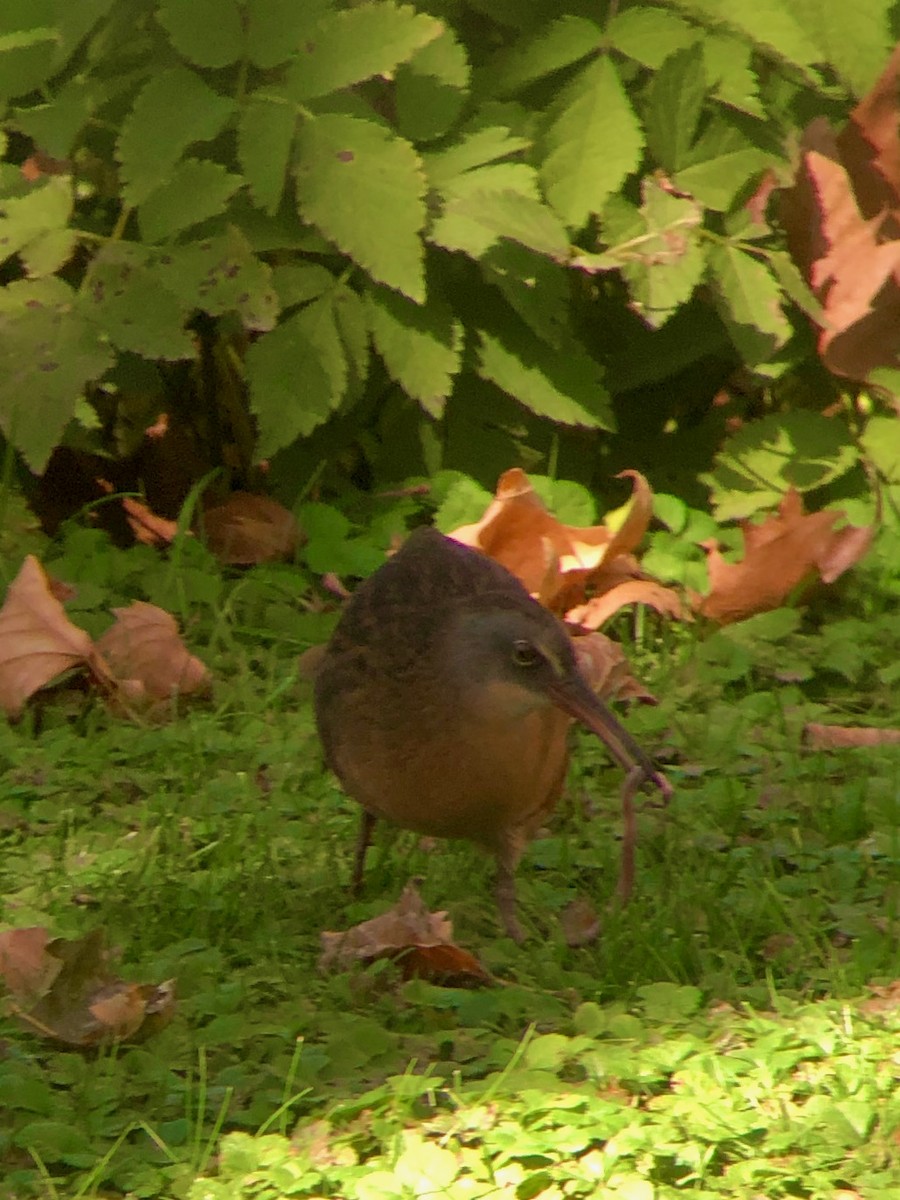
{"points": [[630, 788], [509, 851], [364, 837]]}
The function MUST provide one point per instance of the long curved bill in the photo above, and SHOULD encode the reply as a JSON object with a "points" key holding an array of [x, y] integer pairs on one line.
{"points": [[575, 697]]}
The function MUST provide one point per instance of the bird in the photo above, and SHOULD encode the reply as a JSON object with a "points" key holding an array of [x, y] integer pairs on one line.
{"points": [[443, 703]]}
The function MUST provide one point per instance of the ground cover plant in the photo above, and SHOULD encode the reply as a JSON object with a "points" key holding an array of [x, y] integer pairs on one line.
{"points": [[731, 1032], [283, 280]]}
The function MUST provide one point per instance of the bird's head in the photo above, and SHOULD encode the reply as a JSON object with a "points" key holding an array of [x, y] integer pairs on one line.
{"points": [[508, 661]]}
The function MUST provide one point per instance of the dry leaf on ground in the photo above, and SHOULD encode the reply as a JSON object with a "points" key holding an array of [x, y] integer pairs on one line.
{"points": [[144, 649], [65, 991], [560, 564], [606, 668], [38, 642], [418, 940], [248, 529], [837, 737], [789, 549]]}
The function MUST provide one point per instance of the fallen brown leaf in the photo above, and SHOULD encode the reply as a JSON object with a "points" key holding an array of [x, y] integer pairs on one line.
{"points": [[579, 922], [606, 668], [558, 563], [38, 642], [836, 737], [144, 649], [419, 940], [248, 529], [64, 990], [789, 549]]}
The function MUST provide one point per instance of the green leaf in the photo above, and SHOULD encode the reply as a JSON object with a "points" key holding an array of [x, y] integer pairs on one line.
{"points": [[750, 303], [125, 298], [43, 208], [298, 283], [48, 353], [720, 165], [347, 47], [769, 23], [649, 35], [275, 28], [476, 149], [49, 252], [172, 110], [220, 275], [661, 258], [553, 47], [564, 385], [795, 286], [352, 323], [265, 137], [363, 189], [729, 71], [421, 345], [676, 102], [431, 89], [592, 143], [536, 288], [29, 43], [765, 458], [855, 39], [195, 190], [475, 222], [206, 32], [54, 126], [297, 374]]}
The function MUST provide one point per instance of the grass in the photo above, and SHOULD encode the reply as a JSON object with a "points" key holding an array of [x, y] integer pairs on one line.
{"points": [[733, 1032]]}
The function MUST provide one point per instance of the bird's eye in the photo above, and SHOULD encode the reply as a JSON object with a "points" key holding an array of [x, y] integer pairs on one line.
{"points": [[524, 654]]}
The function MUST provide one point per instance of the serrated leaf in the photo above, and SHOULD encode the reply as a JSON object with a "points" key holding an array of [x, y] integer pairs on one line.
{"points": [[750, 303], [769, 23], [123, 295], [55, 125], [788, 275], [475, 222], [173, 109], [591, 145], [206, 32], [649, 35], [676, 101], [473, 150], [220, 275], [275, 28], [352, 325], [759, 463], [564, 385], [48, 352], [42, 209], [45, 255], [297, 374], [195, 190], [536, 288], [553, 47], [660, 258], [298, 283], [421, 345], [719, 165], [730, 73], [363, 189], [854, 39], [265, 135], [347, 47], [431, 89]]}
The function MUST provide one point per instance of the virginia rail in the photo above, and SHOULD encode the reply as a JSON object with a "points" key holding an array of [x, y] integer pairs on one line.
{"points": [[443, 702]]}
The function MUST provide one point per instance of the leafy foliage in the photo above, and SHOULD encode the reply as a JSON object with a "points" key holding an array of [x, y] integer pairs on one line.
{"points": [[485, 197]]}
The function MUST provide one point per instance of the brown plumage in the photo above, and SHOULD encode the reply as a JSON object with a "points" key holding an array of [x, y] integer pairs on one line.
{"points": [[444, 700]]}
